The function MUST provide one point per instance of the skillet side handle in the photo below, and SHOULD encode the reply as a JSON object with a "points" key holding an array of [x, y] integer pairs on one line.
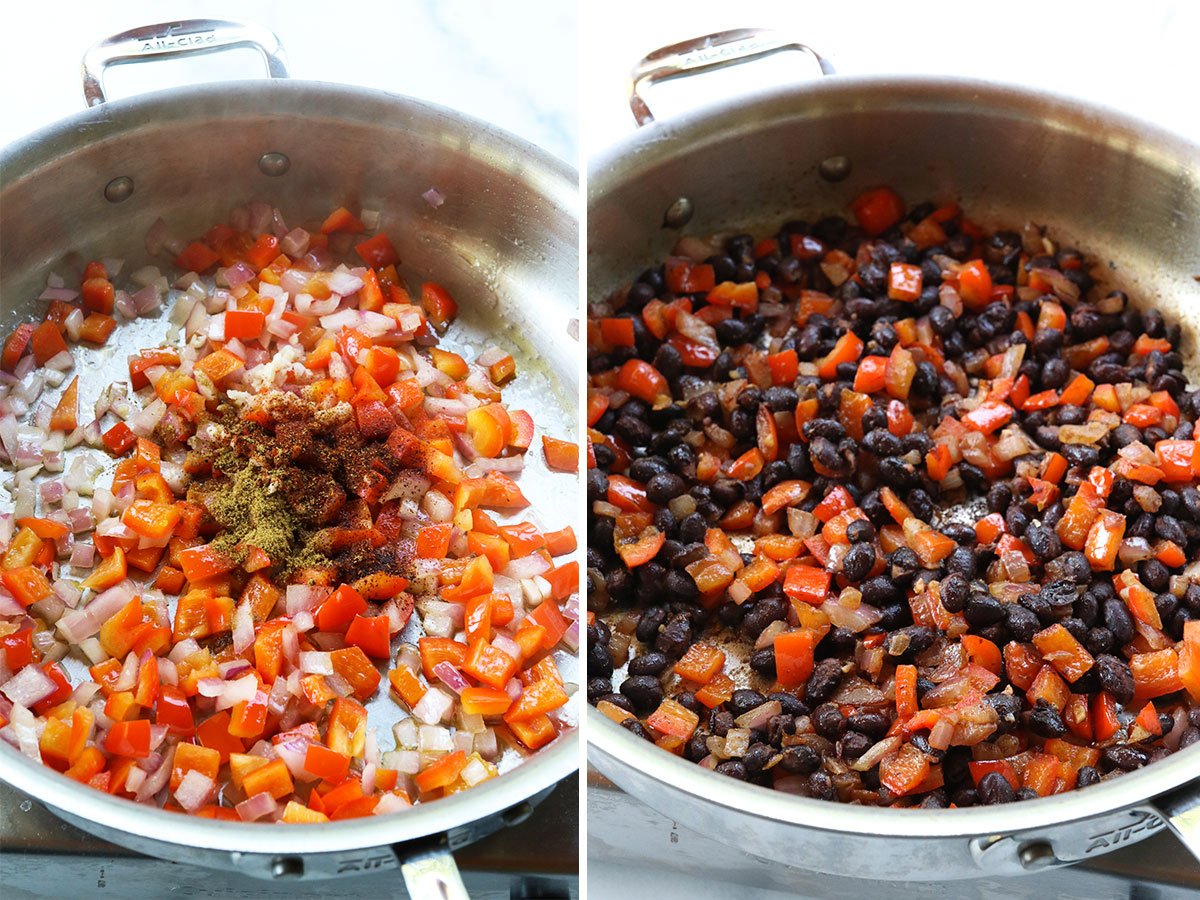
{"points": [[1181, 809], [704, 54], [190, 37], [431, 873]]}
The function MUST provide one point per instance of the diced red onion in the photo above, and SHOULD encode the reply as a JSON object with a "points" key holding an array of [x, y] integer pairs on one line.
{"points": [[450, 676], [500, 464], [183, 650], [346, 318], [168, 672], [526, 567], [144, 422], [83, 623], [433, 707], [243, 628], [68, 592], [62, 361], [238, 274], [66, 295], [571, 637], [295, 243], [344, 283], [194, 790], [29, 686], [234, 668], [254, 808], [301, 597], [146, 300], [316, 663], [157, 779], [433, 197], [240, 690], [390, 803]]}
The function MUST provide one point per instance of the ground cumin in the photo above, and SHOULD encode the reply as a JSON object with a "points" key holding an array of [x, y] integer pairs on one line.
{"points": [[287, 486]]}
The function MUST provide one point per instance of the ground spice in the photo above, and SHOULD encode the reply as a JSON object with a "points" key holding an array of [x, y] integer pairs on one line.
{"points": [[293, 487]]}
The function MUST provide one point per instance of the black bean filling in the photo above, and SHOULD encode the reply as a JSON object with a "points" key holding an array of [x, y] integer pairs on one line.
{"points": [[1040, 664]]}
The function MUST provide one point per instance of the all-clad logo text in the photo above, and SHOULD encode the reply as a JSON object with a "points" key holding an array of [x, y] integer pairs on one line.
{"points": [[1147, 822], [720, 51], [184, 40], [366, 863]]}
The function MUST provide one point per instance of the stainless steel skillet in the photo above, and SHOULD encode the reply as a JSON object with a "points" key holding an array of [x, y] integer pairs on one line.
{"points": [[1124, 191], [504, 242]]}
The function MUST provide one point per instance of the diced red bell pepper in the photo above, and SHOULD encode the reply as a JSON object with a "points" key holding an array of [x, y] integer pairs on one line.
{"points": [[129, 739], [807, 584], [642, 380], [877, 210], [904, 282], [794, 656]]}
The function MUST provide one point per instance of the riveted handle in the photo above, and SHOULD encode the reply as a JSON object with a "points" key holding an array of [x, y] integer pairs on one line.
{"points": [[190, 37], [1181, 809], [432, 874], [704, 54]]}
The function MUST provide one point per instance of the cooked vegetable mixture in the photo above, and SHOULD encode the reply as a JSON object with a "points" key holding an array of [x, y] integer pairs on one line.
{"points": [[893, 511], [297, 468]]}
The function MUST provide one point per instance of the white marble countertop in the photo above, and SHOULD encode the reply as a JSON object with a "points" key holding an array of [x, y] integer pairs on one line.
{"points": [[1140, 57], [511, 64]]}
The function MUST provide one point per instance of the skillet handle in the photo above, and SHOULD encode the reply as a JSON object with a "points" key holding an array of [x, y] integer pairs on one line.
{"points": [[1182, 812], [432, 874], [190, 37], [703, 54]]}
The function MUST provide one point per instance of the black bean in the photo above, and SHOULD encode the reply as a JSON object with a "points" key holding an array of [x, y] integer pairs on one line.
{"points": [[853, 745], [983, 609], [766, 610], [757, 757], [675, 637], [1115, 677], [857, 563], [828, 721], [763, 662], [820, 786], [1118, 620], [733, 768], [664, 488], [599, 662], [963, 561], [652, 663], [1124, 757], [871, 722], [904, 565], [954, 591], [824, 681], [1086, 777], [744, 700], [800, 760], [1044, 721], [644, 692], [1007, 707], [879, 591], [860, 531], [1021, 623], [995, 788], [720, 721], [1099, 640]]}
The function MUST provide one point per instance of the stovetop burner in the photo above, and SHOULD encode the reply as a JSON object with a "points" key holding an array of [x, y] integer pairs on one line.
{"points": [[43, 857], [634, 851]]}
